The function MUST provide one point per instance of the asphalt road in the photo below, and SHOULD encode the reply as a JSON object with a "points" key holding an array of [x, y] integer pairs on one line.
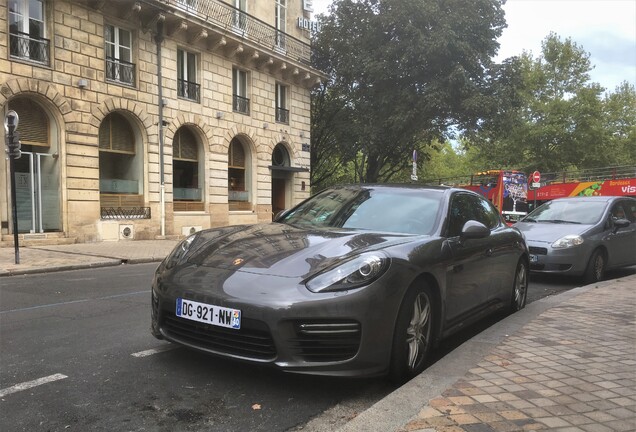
{"points": [[76, 354]]}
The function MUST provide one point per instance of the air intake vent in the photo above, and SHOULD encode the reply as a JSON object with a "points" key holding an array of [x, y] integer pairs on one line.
{"points": [[326, 341], [126, 232]]}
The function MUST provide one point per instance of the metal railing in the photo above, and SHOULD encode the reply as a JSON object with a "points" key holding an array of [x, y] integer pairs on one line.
{"points": [[241, 104], [25, 46], [120, 71], [282, 115], [243, 25], [125, 212], [188, 90], [593, 174]]}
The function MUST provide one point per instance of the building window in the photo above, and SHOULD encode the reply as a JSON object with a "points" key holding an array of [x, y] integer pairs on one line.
{"points": [[118, 46], [241, 103], [281, 23], [120, 164], [238, 176], [240, 15], [27, 30], [282, 113], [187, 83], [187, 190]]}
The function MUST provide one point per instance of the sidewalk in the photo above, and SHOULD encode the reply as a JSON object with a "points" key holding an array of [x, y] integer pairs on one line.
{"points": [[565, 363], [39, 259]]}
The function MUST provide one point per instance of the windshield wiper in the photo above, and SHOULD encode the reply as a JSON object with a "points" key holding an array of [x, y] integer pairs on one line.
{"points": [[561, 221], [528, 219]]}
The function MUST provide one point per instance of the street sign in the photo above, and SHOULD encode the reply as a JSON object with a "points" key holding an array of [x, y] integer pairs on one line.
{"points": [[536, 177], [536, 185]]}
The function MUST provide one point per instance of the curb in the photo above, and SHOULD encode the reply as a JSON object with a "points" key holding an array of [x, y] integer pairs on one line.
{"points": [[111, 263]]}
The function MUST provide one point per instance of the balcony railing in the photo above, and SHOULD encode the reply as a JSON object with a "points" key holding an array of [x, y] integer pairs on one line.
{"points": [[25, 46], [282, 115], [188, 90], [231, 19], [120, 71], [241, 104]]}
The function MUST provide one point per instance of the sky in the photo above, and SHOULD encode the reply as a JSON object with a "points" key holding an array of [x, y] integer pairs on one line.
{"points": [[606, 29]]}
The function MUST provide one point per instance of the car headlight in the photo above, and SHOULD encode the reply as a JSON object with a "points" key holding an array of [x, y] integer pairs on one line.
{"points": [[180, 251], [354, 273], [568, 241]]}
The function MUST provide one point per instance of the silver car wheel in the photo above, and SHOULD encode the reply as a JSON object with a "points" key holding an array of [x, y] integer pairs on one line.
{"points": [[599, 265], [521, 287], [418, 333]]}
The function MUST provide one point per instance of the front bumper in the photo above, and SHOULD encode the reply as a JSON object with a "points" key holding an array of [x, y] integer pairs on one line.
{"points": [[568, 261], [341, 334]]}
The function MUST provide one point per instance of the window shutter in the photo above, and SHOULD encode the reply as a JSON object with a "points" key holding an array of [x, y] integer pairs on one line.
{"points": [[185, 146], [237, 154], [34, 124], [115, 134]]}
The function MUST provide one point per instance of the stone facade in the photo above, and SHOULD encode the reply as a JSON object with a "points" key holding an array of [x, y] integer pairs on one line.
{"points": [[91, 76]]}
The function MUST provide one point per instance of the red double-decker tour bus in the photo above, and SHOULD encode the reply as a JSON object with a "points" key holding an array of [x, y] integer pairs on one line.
{"points": [[607, 181]]}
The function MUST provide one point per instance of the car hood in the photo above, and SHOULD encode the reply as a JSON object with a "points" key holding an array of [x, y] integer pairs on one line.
{"points": [[283, 250], [549, 232]]}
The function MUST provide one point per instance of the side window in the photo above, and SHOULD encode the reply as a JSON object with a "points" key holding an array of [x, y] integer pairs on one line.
{"points": [[486, 213], [461, 211], [630, 210]]}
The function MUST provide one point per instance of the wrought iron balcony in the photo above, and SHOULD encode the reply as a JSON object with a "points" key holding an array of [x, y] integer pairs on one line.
{"points": [[282, 115], [188, 90], [25, 46], [245, 26], [241, 104], [120, 71]]}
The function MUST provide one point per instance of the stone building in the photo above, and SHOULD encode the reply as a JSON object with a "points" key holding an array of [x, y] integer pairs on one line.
{"points": [[149, 118]]}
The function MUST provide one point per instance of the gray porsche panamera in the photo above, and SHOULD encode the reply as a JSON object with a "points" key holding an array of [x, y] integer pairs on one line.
{"points": [[355, 281]]}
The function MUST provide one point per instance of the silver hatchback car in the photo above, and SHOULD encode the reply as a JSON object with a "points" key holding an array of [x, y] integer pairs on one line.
{"points": [[581, 236]]}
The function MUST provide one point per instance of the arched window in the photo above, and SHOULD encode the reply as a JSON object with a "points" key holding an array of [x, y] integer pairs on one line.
{"points": [[186, 170], [120, 163], [238, 176]]}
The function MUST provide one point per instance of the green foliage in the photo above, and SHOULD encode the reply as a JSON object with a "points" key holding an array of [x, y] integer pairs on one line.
{"points": [[547, 115], [400, 73]]}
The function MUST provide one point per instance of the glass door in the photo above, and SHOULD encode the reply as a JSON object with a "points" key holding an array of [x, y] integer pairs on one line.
{"points": [[37, 193]]}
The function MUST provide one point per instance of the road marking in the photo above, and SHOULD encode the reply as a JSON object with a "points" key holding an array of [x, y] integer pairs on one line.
{"points": [[150, 352], [30, 384], [75, 301]]}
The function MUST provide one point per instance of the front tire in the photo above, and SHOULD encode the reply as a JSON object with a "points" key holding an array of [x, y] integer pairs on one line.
{"points": [[519, 288], [413, 337], [595, 270]]}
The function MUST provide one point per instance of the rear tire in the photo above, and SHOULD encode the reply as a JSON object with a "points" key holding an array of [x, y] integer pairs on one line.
{"points": [[595, 271], [413, 338], [519, 288]]}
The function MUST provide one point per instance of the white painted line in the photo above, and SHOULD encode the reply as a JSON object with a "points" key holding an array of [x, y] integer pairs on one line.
{"points": [[30, 384], [154, 351]]}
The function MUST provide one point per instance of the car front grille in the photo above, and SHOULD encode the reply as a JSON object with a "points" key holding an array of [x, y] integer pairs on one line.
{"points": [[326, 341], [538, 250], [253, 340]]}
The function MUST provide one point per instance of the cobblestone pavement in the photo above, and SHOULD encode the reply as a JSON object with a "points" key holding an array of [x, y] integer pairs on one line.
{"points": [[571, 369]]}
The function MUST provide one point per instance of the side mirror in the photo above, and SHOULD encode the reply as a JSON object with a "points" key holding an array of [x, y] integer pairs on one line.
{"points": [[474, 230], [621, 223]]}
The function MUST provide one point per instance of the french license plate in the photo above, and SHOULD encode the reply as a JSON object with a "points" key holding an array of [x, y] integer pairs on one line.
{"points": [[209, 314], [534, 258]]}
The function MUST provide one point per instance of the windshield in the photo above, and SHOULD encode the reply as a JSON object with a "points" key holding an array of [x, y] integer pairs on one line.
{"points": [[408, 211], [568, 211]]}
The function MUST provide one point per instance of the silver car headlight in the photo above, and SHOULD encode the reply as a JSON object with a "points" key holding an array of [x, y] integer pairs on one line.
{"points": [[360, 271], [568, 241]]}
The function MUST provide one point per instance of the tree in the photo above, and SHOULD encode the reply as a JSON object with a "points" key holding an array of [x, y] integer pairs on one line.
{"points": [[549, 116], [400, 73]]}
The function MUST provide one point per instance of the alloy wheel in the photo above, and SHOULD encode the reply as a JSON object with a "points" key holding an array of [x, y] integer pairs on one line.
{"points": [[419, 331]]}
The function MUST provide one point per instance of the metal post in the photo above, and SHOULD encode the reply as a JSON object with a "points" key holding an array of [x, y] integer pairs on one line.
{"points": [[162, 200], [10, 124]]}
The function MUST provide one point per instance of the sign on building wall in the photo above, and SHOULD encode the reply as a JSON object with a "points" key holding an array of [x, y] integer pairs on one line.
{"points": [[308, 5]]}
